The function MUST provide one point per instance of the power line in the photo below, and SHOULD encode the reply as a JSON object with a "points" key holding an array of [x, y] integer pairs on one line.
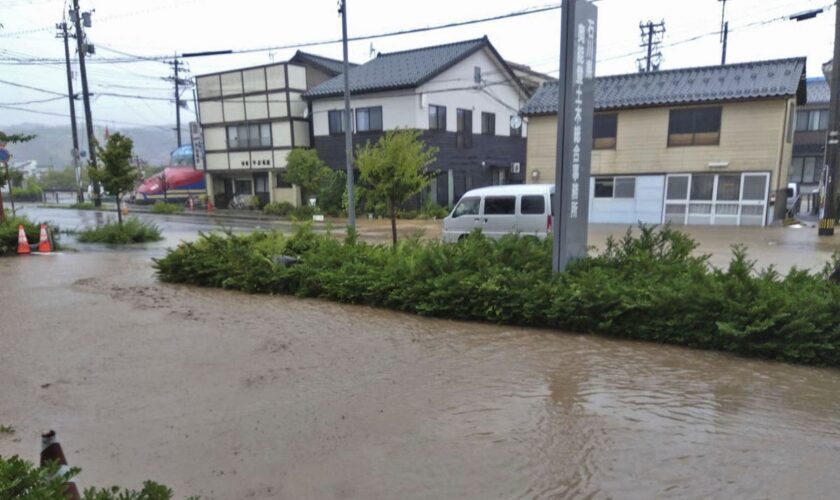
{"points": [[39, 101], [63, 115]]}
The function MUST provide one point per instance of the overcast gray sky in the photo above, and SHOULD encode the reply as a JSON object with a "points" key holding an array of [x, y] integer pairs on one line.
{"points": [[155, 27]]}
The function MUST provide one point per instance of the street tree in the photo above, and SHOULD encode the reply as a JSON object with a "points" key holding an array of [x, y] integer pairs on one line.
{"points": [[306, 170], [10, 139], [116, 174], [395, 169]]}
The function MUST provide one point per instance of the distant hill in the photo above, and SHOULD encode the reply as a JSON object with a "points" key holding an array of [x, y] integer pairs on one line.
{"points": [[52, 144]]}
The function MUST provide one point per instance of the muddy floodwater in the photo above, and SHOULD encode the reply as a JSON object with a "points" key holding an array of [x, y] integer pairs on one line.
{"points": [[232, 396]]}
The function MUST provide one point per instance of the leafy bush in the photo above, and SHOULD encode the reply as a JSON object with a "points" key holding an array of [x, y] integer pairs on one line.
{"points": [[131, 231], [86, 205], [32, 192], [431, 210], [162, 207], [303, 213], [650, 287], [282, 209], [20, 479]]}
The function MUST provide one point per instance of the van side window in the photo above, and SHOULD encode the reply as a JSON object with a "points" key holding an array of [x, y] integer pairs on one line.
{"points": [[467, 206], [533, 205], [500, 205]]}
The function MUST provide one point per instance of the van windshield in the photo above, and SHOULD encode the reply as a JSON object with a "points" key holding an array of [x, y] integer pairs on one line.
{"points": [[467, 206]]}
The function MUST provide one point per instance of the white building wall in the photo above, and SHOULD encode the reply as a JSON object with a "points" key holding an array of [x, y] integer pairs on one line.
{"points": [[456, 88], [645, 206], [399, 109]]}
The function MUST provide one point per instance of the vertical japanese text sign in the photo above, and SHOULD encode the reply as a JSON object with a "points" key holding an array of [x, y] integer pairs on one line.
{"points": [[574, 131]]}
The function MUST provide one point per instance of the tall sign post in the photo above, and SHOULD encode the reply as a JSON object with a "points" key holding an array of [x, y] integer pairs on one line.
{"points": [[574, 131]]}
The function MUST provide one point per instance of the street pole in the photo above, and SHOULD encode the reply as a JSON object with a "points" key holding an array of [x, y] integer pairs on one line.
{"points": [[81, 43], [724, 31], [177, 104], [831, 149], [11, 194], [649, 45], [76, 167], [348, 132]]}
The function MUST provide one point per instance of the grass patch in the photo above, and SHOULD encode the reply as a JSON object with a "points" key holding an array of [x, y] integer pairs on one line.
{"points": [[167, 208], [7, 429], [85, 205], [132, 231], [650, 286]]}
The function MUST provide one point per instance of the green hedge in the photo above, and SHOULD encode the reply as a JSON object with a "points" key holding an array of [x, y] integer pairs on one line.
{"points": [[131, 231], [167, 208], [651, 286]]}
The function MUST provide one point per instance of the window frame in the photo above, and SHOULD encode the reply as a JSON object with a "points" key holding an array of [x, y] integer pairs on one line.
{"points": [[244, 141], [370, 112], [536, 197], [673, 113], [613, 182], [488, 123], [330, 114], [439, 123], [464, 128], [595, 129], [455, 213]]}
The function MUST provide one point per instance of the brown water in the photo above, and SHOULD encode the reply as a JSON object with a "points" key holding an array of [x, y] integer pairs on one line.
{"points": [[233, 396]]}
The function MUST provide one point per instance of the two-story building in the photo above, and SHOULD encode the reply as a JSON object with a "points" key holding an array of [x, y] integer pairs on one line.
{"points": [[809, 138], [706, 145], [250, 119], [463, 96]]}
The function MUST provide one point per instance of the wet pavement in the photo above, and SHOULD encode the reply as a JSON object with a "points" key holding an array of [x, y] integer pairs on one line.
{"points": [[233, 396]]}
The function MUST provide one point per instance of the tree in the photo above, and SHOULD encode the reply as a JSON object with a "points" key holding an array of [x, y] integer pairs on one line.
{"points": [[395, 168], [13, 139], [306, 170], [116, 174]]}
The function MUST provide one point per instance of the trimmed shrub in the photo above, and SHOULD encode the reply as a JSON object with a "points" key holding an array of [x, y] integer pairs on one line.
{"points": [[86, 205], [303, 213], [282, 209], [651, 286], [131, 231], [162, 207]]}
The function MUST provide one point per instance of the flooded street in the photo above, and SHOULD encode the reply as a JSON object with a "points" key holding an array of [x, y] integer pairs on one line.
{"points": [[231, 396]]}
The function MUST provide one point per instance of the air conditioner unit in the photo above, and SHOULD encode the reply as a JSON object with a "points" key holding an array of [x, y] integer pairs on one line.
{"points": [[515, 167]]}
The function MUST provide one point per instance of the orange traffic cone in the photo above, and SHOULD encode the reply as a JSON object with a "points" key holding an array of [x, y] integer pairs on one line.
{"points": [[23, 243], [51, 452], [209, 205], [44, 244]]}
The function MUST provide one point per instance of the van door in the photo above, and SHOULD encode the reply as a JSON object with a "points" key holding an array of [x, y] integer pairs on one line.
{"points": [[464, 219], [499, 215], [532, 218]]}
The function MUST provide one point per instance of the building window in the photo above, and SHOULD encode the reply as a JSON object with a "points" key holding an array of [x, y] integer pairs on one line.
{"points": [[805, 169], [477, 74], [694, 127], [811, 120], [369, 119], [604, 130], [463, 138], [615, 187], [257, 135], [515, 132], [437, 117], [336, 118], [488, 123]]}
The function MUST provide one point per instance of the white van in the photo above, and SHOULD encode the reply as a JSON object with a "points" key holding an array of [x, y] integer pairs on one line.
{"points": [[499, 210]]}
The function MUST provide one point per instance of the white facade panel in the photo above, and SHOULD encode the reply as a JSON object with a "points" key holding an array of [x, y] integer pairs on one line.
{"points": [[240, 160], [398, 110], [208, 86], [297, 77], [280, 158], [215, 138], [301, 134], [217, 161], [234, 109], [253, 80], [211, 111], [645, 206], [232, 83], [277, 105], [298, 105], [256, 107], [281, 134], [262, 159], [276, 76]]}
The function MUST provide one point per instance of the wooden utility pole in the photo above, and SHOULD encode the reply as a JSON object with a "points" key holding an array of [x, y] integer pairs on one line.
{"points": [[833, 144]]}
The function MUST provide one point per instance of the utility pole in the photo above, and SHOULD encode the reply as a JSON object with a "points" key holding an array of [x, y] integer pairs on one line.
{"points": [[83, 47], [177, 104], [652, 35], [178, 67], [348, 132], [724, 31], [76, 166], [833, 144]]}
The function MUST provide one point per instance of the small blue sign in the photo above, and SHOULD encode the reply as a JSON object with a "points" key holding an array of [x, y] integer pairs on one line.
{"points": [[4, 155]]}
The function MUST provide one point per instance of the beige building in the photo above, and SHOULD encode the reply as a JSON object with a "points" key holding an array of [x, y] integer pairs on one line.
{"points": [[250, 119], [707, 145]]}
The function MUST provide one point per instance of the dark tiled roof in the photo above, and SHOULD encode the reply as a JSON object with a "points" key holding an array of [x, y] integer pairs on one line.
{"points": [[399, 70], [818, 91], [331, 66], [752, 80]]}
